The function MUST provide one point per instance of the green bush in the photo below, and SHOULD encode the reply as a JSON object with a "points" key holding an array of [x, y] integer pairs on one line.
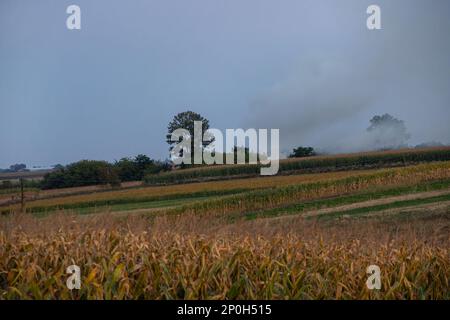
{"points": [[81, 173]]}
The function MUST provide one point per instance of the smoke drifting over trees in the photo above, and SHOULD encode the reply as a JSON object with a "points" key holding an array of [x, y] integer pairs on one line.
{"points": [[387, 132], [336, 86]]}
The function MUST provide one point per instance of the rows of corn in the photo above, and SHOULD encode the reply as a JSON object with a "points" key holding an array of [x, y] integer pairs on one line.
{"points": [[304, 165], [254, 193], [270, 198], [194, 255], [127, 265], [159, 193]]}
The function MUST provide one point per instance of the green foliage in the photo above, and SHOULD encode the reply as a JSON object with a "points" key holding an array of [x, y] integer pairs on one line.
{"points": [[185, 120], [18, 167], [112, 177], [134, 169], [301, 152], [82, 173], [89, 172], [127, 169]]}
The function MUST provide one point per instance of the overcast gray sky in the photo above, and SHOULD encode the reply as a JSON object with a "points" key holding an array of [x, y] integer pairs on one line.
{"points": [[310, 68]]}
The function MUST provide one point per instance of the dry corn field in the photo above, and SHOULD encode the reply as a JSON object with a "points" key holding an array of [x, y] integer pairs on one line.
{"points": [[190, 258], [257, 200], [210, 249]]}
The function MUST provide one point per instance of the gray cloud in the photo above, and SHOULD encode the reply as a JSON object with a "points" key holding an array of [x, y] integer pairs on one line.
{"points": [[308, 67], [328, 98]]}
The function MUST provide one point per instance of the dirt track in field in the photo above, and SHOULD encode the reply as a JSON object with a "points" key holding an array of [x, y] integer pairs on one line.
{"points": [[382, 201], [442, 206], [435, 207], [364, 204]]}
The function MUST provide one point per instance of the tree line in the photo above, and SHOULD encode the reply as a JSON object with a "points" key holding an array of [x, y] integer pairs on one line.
{"points": [[92, 172]]}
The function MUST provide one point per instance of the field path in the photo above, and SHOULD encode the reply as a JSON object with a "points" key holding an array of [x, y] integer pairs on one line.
{"points": [[376, 202], [442, 205]]}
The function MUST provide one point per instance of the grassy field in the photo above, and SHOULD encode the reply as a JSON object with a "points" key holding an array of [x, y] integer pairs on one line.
{"points": [[297, 236]]}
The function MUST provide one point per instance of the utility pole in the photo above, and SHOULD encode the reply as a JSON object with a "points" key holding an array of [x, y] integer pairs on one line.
{"points": [[22, 196]]}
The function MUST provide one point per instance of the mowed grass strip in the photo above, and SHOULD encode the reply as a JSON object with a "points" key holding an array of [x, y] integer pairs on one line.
{"points": [[358, 212], [334, 202]]}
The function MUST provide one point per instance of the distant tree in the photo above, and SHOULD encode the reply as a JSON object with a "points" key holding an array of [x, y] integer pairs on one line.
{"points": [[88, 172], [143, 162], [17, 167], [388, 132], [301, 152], [81, 173], [135, 169], [185, 120], [55, 180], [127, 169], [430, 144]]}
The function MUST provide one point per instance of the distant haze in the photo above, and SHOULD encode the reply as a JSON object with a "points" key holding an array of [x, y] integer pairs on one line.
{"points": [[310, 68]]}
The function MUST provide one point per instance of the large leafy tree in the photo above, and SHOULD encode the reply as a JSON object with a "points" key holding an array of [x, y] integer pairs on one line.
{"points": [[185, 120]]}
